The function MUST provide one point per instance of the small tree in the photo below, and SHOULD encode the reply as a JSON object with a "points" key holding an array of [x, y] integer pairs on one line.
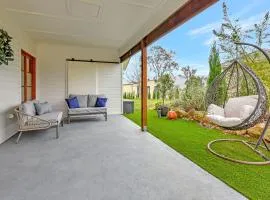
{"points": [[165, 84], [171, 94], [232, 31], [154, 94], [214, 64], [177, 93], [188, 72], [158, 94]]}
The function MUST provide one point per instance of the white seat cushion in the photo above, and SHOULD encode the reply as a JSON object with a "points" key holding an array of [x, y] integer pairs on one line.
{"points": [[233, 106], [92, 110], [224, 121], [215, 110], [53, 117]]}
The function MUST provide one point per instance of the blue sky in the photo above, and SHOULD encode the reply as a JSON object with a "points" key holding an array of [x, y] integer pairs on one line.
{"points": [[191, 41]]}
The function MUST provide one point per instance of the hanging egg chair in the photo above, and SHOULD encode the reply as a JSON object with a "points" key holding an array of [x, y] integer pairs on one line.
{"points": [[237, 98]]}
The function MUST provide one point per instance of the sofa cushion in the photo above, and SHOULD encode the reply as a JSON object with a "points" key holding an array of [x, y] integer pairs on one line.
{"points": [[224, 121], [92, 99], [29, 108], [73, 102], [85, 111], [42, 108], [82, 99], [215, 110], [246, 111], [101, 102], [53, 117], [232, 107]]}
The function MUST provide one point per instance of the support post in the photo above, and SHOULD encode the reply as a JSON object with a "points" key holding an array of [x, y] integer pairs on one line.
{"points": [[143, 85]]}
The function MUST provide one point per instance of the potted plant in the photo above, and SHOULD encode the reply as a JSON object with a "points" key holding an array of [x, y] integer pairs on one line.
{"points": [[6, 52]]}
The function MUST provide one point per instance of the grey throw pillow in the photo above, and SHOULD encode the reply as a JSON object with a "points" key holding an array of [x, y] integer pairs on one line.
{"points": [[29, 108], [82, 99], [92, 99], [43, 108]]}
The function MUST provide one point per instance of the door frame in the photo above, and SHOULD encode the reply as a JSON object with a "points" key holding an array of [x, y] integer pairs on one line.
{"points": [[32, 69]]}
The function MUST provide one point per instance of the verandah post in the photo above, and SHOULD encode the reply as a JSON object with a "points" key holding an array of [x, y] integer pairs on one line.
{"points": [[143, 86]]}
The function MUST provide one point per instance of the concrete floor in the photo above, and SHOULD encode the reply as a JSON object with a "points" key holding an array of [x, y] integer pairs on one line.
{"points": [[94, 159]]}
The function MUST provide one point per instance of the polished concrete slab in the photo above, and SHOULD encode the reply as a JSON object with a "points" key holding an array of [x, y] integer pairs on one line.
{"points": [[94, 159]]}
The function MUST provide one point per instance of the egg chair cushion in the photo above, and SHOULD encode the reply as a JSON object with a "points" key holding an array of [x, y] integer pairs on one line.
{"points": [[224, 121], [234, 105], [215, 110], [246, 111]]}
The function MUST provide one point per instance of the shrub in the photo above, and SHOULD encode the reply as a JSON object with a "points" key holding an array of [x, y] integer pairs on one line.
{"points": [[154, 95], [193, 95]]}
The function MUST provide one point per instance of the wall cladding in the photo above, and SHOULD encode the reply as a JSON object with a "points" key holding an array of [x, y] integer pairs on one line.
{"points": [[96, 78], [51, 62]]}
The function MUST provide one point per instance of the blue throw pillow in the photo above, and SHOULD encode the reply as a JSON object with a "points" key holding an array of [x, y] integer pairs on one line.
{"points": [[73, 102], [101, 102]]}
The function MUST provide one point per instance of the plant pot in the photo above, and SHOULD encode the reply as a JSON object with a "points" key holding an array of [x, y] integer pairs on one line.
{"points": [[164, 110], [159, 113]]}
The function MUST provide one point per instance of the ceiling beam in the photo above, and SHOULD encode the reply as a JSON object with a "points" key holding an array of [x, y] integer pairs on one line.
{"points": [[184, 13]]}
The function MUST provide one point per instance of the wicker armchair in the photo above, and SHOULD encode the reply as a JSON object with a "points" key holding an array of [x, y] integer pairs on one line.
{"points": [[33, 123]]}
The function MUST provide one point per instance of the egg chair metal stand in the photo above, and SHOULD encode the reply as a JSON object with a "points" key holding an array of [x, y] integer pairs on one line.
{"points": [[247, 83]]}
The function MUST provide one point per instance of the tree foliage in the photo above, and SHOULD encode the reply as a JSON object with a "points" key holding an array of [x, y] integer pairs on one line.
{"points": [[165, 84], [231, 31], [193, 95], [215, 67], [161, 62], [188, 72]]}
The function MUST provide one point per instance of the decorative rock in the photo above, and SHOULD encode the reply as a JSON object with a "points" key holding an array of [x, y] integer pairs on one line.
{"points": [[181, 113]]}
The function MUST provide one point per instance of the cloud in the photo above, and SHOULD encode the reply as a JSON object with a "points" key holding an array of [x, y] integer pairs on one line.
{"points": [[209, 41], [204, 29], [208, 28], [245, 24]]}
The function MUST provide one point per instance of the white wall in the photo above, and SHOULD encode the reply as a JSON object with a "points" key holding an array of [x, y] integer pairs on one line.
{"points": [[97, 78], [10, 76], [51, 62]]}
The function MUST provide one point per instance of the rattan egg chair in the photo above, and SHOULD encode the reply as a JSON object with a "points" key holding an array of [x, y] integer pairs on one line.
{"points": [[238, 85]]}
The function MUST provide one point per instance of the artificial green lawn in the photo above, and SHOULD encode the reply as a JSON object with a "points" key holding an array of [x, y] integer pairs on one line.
{"points": [[190, 139]]}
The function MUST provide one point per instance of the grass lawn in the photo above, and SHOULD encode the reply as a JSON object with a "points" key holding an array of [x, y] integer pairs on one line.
{"points": [[190, 139]]}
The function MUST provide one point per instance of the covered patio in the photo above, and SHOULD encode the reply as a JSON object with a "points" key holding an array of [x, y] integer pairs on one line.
{"points": [[102, 160], [93, 158]]}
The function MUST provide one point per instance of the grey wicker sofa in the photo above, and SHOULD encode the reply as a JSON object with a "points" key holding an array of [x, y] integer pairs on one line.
{"points": [[29, 120], [87, 107]]}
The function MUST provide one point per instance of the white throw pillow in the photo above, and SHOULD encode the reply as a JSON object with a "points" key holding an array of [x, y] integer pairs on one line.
{"points": [[246, 111], [233, 106], [215, 110]]}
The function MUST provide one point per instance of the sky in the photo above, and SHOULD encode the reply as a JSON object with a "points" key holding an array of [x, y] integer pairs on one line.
{"points": [[192, 40]]}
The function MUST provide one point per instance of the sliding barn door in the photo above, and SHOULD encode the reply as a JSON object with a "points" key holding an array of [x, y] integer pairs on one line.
{"points": [[96, 78], [82, 78]]}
